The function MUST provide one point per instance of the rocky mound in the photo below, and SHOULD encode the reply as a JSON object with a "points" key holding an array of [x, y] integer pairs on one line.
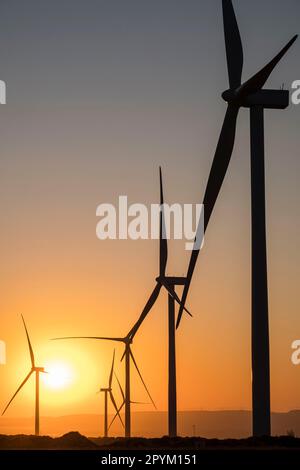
{"points": [[71, 440]]}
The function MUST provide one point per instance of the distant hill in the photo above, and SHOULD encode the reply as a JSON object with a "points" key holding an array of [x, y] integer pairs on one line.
{"points": [[72, 440], [208, 424]]}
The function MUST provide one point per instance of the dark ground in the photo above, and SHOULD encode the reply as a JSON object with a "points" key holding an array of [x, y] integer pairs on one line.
{"points": [[75, 441], [73, 448]]}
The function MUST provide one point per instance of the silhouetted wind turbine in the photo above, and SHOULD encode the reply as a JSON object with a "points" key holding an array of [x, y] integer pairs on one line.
{"points": [[169, 283], [248, 95], [109, 393], [36, 370], [124, 402], [128, 354]]}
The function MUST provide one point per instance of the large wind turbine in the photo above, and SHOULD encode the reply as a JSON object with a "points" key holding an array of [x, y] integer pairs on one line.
{"points": [[109, 393], [250, 95], [36, 370]]}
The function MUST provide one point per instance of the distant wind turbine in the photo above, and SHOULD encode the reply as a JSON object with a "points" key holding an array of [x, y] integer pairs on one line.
{"points": [[124, 402], [36, 370], [109, 393], [128, 354]]}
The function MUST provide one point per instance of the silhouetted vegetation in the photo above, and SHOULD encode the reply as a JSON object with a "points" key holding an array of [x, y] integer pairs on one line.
{"points": [[76, 441]]}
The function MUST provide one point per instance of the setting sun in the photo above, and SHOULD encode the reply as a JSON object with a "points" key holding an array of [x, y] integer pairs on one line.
{"points": [[59, 375]]}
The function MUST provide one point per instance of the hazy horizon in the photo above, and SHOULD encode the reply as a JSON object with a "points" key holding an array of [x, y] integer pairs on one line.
{"points": [[210, 424]]}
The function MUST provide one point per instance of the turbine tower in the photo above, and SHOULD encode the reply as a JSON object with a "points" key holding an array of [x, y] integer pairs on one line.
{"points": [[36, 370], [251, 95], [109, 393]]}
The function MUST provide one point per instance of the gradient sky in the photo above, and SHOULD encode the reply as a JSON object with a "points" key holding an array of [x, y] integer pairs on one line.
{"points": [[99, 93]]}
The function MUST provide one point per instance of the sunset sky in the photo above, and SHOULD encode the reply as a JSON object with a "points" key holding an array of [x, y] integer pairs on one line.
{"points": [[99, 94]]}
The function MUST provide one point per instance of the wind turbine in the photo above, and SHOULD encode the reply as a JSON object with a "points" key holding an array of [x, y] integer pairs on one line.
{"points": [[36, 370], [128, 355], [249, 94], [109, 393], [124, 402], [169, 283]]}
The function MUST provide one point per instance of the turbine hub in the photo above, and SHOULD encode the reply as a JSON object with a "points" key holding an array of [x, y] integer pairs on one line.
{"points": [[230, 96]]}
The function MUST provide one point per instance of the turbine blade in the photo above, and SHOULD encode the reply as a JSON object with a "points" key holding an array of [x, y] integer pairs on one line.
{"points": [[22, 384], [120, 387], [220, 162], [151, 301], [256, 82], [112, 399], [163, 242], [233, 44], [123, 355], [119, 409], [217, 174], [29, 343], [112, 370], [90, 337], [139, 403], [175, 297], [141, 377]]}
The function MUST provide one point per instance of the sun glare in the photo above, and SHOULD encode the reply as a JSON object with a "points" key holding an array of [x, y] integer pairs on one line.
{"points": [[59, 375]]}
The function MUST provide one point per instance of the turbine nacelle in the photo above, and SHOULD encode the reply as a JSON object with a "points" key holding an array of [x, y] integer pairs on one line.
{"points": [[268, 99], [171, 280], [128, 339], [39, 369]]}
